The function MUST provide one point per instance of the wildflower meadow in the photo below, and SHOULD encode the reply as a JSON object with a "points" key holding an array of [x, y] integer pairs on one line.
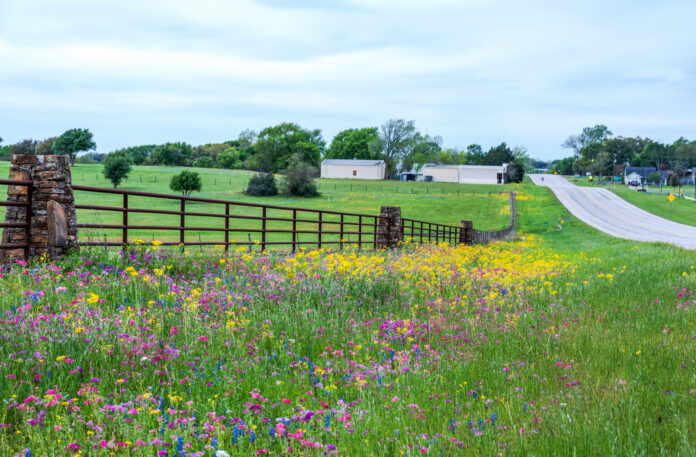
{"points": [[509, 349]]}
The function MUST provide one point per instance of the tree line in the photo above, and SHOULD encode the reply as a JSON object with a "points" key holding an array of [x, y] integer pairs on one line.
{"points": [[398, 142], [597, 151]]}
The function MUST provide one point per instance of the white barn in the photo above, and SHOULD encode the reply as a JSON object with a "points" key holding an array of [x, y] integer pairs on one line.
{"points": [[353, 169], [466, 174]]}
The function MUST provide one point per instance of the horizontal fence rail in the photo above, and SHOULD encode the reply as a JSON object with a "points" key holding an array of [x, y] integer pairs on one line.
{"points": [[26, 224], [428, 232], [129, 217], [271, 225]]}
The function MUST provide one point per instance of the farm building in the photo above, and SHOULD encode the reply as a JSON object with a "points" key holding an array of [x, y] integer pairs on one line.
{"points": [[467, 174], [355, 169]]}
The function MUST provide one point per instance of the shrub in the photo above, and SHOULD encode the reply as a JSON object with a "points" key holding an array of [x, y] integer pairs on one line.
{"points": [[262, 185], [654, 178], [116, 167], [203, 162], [673, 180], [186, 182], [299, 179]]}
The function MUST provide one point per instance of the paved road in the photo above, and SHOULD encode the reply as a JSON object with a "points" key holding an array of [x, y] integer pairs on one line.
{"points": [[607, 212]]}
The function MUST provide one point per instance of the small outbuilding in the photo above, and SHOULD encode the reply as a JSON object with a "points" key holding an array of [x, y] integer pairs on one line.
{"points": [[353, 169], [467, 174]]}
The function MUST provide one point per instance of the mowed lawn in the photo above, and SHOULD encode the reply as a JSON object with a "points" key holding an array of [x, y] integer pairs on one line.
{"points": [[442, 203]]}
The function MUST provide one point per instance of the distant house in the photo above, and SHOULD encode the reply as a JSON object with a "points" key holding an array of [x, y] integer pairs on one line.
{"points": [[353, 169], [640, 175], [466, 174]]}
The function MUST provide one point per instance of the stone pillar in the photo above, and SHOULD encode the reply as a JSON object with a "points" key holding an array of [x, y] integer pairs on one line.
{"points": [[389, 233], [53, 217], [466, 232]]}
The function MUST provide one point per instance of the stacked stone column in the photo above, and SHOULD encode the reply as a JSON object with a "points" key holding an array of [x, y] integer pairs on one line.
{"points": [[389, 231], [53, 217]]}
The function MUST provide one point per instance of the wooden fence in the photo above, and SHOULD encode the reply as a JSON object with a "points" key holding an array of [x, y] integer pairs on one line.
{"points": [[271, 225]]}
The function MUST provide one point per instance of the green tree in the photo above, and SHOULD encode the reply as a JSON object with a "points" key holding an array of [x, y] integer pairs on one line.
{"points": [[27, 146], [275, 145], [73, 141], [46, 146], [186, 182], [564, 166], [423, 149], [655, 178], [139, 154], [171, 154], [229, 158], [298, 178], [395, 139], [658, 154], [117, 166], [588, 136], [203, 162], [475, 154], [353, 144], [498, 155]]}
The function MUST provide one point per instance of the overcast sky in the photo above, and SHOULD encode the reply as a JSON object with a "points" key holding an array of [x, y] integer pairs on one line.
{"points": [[473, 71]]}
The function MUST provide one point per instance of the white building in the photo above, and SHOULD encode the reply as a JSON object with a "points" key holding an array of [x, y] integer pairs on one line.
{"points": [[466, 174], [353, 169]]}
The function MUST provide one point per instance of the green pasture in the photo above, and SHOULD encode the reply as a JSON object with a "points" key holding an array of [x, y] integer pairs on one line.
{"points": [[442, 203]]}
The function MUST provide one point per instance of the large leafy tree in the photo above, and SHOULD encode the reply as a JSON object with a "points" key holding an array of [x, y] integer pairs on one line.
{"points": [[171, 154], [353, 144], [117, 165], [26, 146], [424, 149], [394, 141], [46, 146], [621, 150], [588, 136], [73, 141], [186, 182], [275, 145], [658, 154]]}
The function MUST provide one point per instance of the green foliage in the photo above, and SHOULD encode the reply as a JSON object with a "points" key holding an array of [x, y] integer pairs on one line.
{"points": [[230, 159], [210, 150], [423, 147], [565, 166], [73, 141], [203, 162], [588, 136], [117, 166], [298, 179], [353, 144], [658, 154], [139, 154], [262, 185], [275, 146], [27, 146], [673, 180], [46, 146], [655, 178], [186, 182], [171, 154]]}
